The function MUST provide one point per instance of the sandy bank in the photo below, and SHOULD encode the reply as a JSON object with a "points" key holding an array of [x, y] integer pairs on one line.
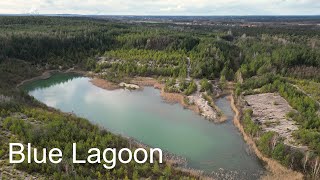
{"points": [[179, 98], [194, 102], [168, 97], [274, 168], [104, 84], [145, 81]]}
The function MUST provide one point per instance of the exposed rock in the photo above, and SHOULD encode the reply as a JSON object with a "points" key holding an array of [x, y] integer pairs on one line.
{"points": [[270, 110], [129, 86], [206, 110]]}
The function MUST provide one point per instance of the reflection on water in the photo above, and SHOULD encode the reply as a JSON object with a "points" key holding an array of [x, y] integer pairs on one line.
{"points": [[57, 78], [215, 149]]}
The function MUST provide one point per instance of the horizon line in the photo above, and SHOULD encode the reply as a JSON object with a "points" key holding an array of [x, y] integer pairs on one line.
{"points": [[30, 14]]}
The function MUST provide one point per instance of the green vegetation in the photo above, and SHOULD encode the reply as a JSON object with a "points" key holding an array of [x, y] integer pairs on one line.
{"points": [[271, 66], [205, 85], [309, 87], [191, 88], [185, 87], [272, 146], [266, 59], [146, 62], [306, 116], [54, 129], [249, 126], [55, 41], [24, 120]]}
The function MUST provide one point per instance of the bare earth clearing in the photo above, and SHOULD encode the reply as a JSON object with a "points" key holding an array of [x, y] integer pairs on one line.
{"points": [[275, 170], [269, 111]]}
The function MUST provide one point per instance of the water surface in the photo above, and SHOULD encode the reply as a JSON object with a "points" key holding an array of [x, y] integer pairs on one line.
{"points": [[144, 116]]}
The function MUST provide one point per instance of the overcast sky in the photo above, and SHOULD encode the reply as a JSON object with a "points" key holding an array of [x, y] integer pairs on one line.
{"points": [[162, 7]]}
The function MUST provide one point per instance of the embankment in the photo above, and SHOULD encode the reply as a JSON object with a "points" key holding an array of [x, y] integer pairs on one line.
{"points": [[104, 84], [168, 97], [199, 105], [274, 169]]}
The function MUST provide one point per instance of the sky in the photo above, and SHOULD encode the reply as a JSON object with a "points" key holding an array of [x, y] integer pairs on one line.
{"points": [[162, 7]]}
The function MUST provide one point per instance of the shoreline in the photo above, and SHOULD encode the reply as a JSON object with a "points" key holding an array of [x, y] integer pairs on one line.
{"points": [[173, 98], [104, 84], [48, 73], [274, 169], [175, 161], [168, 97]]}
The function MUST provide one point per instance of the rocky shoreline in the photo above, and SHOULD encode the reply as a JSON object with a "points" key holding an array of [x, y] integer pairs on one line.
{"points": [[195, 102]]}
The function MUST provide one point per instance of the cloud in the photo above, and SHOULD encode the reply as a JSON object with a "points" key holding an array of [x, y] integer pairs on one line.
{"points": [[163, 7]]}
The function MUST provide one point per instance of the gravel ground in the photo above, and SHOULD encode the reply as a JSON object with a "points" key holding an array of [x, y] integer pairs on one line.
{"points": [[269, 111]]}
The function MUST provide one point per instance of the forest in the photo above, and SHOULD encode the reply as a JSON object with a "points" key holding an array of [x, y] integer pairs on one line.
{"points": [[270, 59]]}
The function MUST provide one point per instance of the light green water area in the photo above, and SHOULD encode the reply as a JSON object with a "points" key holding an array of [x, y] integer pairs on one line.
{"points": [[217, 149]]}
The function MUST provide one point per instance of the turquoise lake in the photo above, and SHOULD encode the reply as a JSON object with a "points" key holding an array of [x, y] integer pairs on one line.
{"points": [[143, 115]]}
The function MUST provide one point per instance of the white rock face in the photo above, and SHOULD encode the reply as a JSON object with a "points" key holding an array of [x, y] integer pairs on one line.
{"points": [[129, 86], [206, 110]]}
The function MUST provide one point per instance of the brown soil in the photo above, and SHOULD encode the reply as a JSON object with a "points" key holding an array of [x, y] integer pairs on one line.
{"points": [[222, 119], [178, 98], [274, 168], [144, 81], [148, 81], [104, 84], [168, 97]]}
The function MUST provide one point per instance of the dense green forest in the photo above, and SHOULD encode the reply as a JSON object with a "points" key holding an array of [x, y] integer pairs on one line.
{"points": [[267, 58], [30, 45]]}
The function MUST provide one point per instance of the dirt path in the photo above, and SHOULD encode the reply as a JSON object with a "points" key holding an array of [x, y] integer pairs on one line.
{"points": [[275, 170], [305, 93]]}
